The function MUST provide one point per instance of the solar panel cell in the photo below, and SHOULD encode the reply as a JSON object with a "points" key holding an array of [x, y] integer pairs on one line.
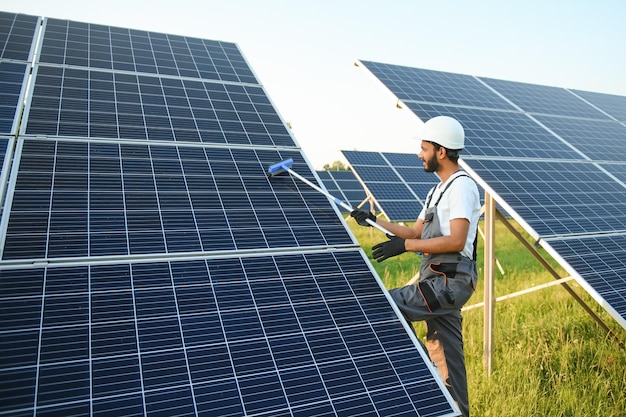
{"points": [[11, 79], [544, 100], [415, 84], [17, 32]]}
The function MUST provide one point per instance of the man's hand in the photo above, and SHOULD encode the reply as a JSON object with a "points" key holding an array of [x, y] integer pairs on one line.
{"points": [[361, 217], [393, 247]]}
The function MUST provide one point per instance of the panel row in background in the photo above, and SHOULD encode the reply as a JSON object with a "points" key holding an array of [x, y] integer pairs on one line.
{"points": [[343, 185], [293, 334], [396, 181], [84, 198]]}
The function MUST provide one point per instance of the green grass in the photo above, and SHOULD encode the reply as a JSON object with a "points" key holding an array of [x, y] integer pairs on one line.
{"points": [[550, 356]]}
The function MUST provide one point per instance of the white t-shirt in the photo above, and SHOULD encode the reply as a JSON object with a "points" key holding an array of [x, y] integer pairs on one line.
{"points": [[460, 201]]}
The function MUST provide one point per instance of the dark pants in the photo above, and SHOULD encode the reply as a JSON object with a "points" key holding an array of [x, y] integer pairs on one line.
{"points": [[444, 339]]}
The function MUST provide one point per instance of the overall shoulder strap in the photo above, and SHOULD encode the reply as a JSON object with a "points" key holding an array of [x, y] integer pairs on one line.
{"points": [[462, 174]]}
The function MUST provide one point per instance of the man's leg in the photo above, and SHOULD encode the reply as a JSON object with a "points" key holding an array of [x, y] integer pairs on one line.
{"points": [[444, 341]]}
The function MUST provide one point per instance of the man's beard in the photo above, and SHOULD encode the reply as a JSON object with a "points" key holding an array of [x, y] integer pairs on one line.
{"points": [[431, 165]]}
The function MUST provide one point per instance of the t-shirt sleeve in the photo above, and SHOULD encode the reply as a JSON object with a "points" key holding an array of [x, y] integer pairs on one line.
{"points": [[463, 198]]}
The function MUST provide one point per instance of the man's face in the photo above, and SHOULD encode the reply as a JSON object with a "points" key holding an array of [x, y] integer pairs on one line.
{"points": [[428, 156]]}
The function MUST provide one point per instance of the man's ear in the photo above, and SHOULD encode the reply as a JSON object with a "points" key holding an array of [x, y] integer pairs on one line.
{"points": [[442, 152]]}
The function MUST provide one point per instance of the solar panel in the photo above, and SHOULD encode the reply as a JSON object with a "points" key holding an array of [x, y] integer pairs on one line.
{"points": [[552, 162], [556, 197], [614, 105], [416, 84], [17, 32], [12, 79], [599, 140], [601, 261], [396, 181], [150, 266], [343, 185], [500, 134], [542, 99], [96, 104], [293, 334], [100, 199], [106, 47]]}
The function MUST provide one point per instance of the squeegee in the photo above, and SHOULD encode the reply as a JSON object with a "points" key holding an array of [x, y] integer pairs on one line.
{"points": [[285, 166]]}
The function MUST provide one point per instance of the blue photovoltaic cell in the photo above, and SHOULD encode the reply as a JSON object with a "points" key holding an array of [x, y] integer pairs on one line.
{"points": [[11, 79], [601, 262], [415, 84], [500, 134], [599, 140], [542, 99], [301, 334], [609, 103], [557, 198], [107, 47], [95, 104], [16, 35], [94, 199]]}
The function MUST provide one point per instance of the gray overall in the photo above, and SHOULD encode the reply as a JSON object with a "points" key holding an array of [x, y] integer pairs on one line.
{"points": [[445, 284]]}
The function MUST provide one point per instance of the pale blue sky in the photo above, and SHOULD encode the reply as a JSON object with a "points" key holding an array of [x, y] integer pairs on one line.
{"points": [[303, 51]]}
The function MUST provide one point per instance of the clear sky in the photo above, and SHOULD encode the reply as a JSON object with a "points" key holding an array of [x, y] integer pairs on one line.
{"points": [[303, 52]]}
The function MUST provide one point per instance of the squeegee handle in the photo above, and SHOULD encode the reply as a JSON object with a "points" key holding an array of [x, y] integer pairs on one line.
{"points": [[337, 201]]}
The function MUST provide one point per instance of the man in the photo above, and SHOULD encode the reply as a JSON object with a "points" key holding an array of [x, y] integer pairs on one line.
{"points": [[445, 234]]}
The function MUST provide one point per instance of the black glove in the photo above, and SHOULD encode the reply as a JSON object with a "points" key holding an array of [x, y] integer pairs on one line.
{"points": [[393, 247], [361, 216]]}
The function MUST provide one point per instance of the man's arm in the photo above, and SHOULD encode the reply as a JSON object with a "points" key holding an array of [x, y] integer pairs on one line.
{"points": [[455, 242], [405, 232]]}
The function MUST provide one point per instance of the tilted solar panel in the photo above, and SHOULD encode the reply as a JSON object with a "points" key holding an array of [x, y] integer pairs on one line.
{"points": [[599, 140], [343, 185], [556, 197], [601, 261], [150, 266], [614, 105], [416, 84], [500, 134], [17, 32], [397, 182], [542, 99], [96, 104], [294, 334], [554, 163], [77, 199], [12, 80], [107, 47]]}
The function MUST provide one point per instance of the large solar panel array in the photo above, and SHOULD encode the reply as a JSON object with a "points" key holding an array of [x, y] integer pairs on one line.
{"points": [[148, 265], [396, 181], [551, 157]]}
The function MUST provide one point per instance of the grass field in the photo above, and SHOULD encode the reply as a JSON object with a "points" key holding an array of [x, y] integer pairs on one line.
{"points": [[550, 357]]}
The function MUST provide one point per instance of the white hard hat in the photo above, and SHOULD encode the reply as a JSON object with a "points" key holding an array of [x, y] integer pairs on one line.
{"points": [[445, 131]]}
